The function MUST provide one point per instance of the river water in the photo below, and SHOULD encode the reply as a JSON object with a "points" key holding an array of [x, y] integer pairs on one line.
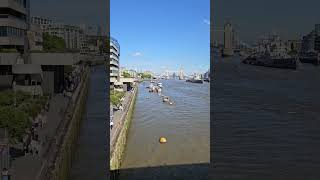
{"points": [[186, 125], [266, 121]]}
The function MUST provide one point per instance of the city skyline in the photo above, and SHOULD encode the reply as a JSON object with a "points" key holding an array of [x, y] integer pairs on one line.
{"points": [[247, 17], [153, 40], [93, 13]]}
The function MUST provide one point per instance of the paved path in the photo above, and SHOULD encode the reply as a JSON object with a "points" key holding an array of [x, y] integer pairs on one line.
{"points": [[27, 167], [118, 118]]}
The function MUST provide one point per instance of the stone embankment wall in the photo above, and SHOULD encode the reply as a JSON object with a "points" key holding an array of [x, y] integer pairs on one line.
{"points": [[67, 149], [117, 150], [58, 163]]}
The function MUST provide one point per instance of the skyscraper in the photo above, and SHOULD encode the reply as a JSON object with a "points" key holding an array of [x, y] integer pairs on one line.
{"points": [[228, 40], [181, 75]]}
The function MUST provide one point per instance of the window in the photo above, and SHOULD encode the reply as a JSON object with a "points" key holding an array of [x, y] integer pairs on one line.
{"points": [[4, 16], [3, 31], [6, 31]]}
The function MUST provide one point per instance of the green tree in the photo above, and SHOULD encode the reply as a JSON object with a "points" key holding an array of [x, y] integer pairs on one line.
{"points": [[145, 75], [126, 74], [53, 43], [16, 121], [115, 97]]}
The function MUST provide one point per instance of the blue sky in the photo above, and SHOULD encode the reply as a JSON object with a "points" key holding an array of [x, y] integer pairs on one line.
{"points": [[157, 35]]}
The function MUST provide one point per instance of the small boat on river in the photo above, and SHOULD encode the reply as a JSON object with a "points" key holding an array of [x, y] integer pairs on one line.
{"points": [[165, 99]]}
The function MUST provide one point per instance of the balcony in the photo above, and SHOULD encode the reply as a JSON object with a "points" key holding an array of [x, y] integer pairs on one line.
{"points": [[113, 74], [13, 5], [113, 62], [115, 69], [114, 51], [114, 57], [12, 21]]}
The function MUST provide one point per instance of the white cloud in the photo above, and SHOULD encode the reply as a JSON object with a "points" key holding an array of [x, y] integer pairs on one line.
{"points": [[136, 54], [206, 21]]}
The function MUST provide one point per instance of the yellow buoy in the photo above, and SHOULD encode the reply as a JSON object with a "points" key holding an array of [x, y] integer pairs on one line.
{"points": [[162, 140]]}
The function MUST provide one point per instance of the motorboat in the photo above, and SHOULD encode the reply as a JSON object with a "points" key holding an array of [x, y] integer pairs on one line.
{"points": [[165, 99]]}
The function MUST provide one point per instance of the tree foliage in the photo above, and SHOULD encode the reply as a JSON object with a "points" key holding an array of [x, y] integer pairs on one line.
{"points": [[126, 74], [16, 119], [145, 75], [115, 97], [53, 43]]}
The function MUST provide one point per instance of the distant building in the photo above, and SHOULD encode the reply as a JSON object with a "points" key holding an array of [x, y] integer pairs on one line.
{"points": [[308, 42], [35, 37], [14, 24], [293, 45], [207, 75], [96, 45], [70, 34], [41, 21], [181, 74], [174, 75], [311, 41], [228, 40], [317, 38], [91, 30]]}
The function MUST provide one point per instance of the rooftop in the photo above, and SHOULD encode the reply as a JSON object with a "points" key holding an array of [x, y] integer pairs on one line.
{"points": [[115, 42]]}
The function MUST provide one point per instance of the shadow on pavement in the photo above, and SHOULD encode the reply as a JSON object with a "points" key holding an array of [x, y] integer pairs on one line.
{"points": [[182, 172], [15, 152]]}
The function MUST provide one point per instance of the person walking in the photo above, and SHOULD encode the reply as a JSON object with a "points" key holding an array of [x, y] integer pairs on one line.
{"points": [[111, 124], [25, 149], [5, 174]]}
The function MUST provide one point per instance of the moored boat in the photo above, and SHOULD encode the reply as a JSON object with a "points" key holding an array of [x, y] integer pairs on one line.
{"points": [[193, 80]]}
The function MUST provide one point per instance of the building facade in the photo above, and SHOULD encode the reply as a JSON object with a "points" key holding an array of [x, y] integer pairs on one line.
{"points": [[317, 38], [114, 63], [308, 42], [228, 40], [41, 21], [14, 18], [35, 37], [70, 34]]}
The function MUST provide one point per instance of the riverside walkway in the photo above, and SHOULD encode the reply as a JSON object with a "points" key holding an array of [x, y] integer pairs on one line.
{"points": [[119, 118], [27, 167], [36, 167]]}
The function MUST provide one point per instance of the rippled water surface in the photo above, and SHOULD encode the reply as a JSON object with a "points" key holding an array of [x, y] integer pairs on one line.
{"points": [[266, 122], [186, 125]]}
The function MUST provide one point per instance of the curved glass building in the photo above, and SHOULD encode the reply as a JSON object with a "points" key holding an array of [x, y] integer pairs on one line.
{"points": [[114, 64]]}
